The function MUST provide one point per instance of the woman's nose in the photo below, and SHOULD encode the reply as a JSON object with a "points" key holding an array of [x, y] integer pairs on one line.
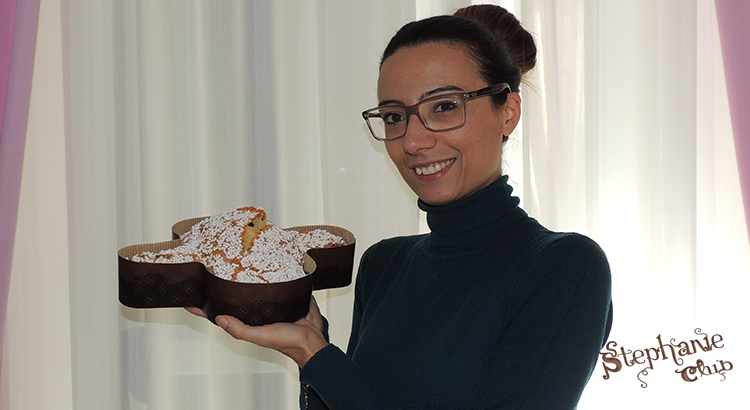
{"points": [[417, 137]]}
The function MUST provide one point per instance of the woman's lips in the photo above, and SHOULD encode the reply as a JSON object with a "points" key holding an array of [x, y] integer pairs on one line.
{"points": [[433, 168]]}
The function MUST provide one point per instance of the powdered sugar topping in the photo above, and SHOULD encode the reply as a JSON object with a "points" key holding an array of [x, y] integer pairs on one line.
{"points": [[274, 256]]}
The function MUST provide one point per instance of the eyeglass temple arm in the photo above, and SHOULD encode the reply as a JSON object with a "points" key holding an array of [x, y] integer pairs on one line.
{"points": [[493, 89]]}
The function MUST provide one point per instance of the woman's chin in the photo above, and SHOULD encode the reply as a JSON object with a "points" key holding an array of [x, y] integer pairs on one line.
{"points": [[437, 198]]}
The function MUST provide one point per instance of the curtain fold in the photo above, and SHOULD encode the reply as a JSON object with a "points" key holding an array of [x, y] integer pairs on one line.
{"points": [[18, 23], [734, 28], [39, 320], [608, 151]]}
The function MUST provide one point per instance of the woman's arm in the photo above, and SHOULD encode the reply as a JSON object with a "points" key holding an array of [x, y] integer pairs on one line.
{"points": [[558, 318], [333, 375]]}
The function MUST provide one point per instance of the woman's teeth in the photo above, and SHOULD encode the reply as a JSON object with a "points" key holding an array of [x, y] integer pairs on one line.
{"points": [[434, 167]]}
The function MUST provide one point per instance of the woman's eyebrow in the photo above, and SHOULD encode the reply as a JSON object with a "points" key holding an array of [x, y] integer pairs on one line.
{"points": [[423, 96], [440, 90]]}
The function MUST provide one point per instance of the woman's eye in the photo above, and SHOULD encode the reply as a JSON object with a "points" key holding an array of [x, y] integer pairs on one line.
{"points": [[391, 118], [445, 106]]}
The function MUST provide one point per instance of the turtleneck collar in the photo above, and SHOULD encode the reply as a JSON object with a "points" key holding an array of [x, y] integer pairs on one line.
{"points": [[478, 217]]}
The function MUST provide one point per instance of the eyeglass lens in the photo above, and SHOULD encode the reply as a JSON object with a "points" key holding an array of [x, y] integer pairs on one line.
{"points": [[436, 115]]}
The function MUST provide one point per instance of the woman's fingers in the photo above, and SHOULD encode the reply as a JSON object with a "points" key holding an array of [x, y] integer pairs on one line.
{"points": [[314, 316], [299, 340], [196, 311], [238, 330], [275, 336]]}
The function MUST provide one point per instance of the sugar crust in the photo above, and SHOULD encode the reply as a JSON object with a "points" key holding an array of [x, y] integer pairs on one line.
{"points": [[274, 255]]}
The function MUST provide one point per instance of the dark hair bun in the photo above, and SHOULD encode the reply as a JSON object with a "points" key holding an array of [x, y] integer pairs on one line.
{"points": [[506, 26]]}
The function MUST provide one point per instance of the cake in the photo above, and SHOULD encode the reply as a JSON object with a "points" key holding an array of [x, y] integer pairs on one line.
{"points": [[242, 246]]}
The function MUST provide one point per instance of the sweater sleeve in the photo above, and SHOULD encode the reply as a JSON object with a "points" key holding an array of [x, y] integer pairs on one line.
{"points": [[330, 377], [558, 318]]}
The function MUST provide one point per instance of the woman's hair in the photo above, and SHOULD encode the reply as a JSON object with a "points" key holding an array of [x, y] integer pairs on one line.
{"points": [[505, 25], [495, 62]]}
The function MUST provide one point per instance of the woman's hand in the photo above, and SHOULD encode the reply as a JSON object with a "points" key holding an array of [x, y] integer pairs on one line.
{"points": [[299, 340], [197, 312]]}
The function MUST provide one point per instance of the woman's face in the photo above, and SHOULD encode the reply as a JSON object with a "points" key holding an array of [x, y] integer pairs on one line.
{"points": [[442, 167]]}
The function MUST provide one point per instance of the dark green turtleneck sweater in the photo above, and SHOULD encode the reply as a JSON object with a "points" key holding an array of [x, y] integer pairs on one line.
{"points": [[488, 311]]}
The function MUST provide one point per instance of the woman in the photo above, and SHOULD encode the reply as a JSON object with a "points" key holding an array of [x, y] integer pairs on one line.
{"points": [[490, 310]]}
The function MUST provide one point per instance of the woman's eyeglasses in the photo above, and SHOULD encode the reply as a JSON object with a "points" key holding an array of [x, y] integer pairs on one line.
{"points": [[440, 113]]}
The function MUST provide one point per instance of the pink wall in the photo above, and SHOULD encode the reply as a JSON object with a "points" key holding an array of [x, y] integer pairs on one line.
{"points": [[734, 31], [7, 19], [18, 24]]}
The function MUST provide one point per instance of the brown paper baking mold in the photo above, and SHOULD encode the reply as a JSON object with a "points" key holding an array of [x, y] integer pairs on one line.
{"points": [[161, 285]]}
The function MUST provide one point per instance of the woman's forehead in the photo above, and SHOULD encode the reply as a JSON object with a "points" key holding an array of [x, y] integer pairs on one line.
{"points": [[427, 66]]}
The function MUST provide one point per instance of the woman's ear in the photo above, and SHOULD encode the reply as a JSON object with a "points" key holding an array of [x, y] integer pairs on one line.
{"points": [[512, 111]]}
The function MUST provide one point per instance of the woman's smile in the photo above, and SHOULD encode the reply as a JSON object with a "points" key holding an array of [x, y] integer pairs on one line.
{"points": [[434, 168]]}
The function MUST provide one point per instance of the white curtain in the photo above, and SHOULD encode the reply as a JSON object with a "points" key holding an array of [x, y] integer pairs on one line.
{"points": [[626, 137], [148, 112]]}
